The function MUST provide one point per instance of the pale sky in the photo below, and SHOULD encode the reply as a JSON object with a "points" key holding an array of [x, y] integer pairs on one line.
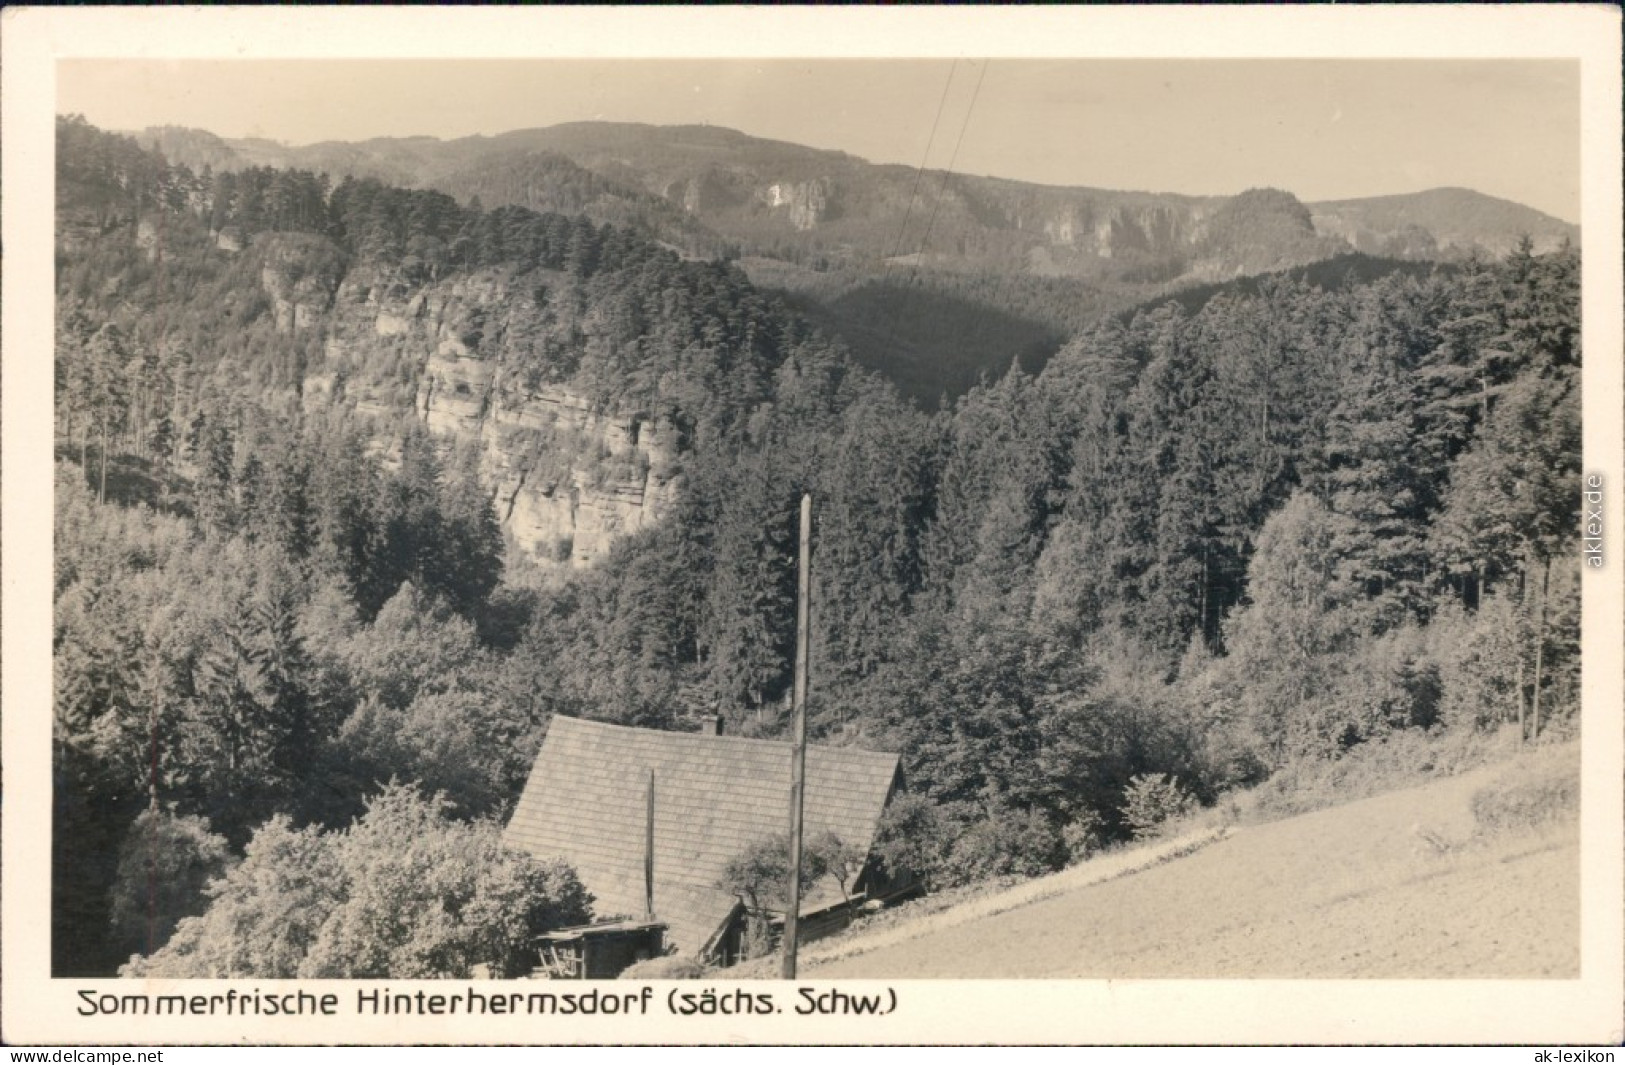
{"points": [[1322, 129]]}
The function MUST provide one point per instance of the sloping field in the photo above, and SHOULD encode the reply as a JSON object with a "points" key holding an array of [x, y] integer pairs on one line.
{"points": [[1396, 886]]}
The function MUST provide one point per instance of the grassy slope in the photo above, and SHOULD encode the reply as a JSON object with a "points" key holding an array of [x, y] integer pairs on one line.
{"points": [[1399, 885]]}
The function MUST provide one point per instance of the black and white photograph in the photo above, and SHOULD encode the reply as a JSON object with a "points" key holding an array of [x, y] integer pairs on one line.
{"points": [[766, 536]]}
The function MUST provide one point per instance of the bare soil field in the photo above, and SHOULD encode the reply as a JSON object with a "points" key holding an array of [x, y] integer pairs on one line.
{"points": [[1395, 886]]}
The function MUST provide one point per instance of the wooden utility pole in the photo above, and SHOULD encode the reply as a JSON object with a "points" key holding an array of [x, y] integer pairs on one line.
{"points": [[1540, 648], [649, 852], [798, 753]]}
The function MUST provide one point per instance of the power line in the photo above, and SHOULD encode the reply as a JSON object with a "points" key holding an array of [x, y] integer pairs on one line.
{"points": [[942, 189], [919, 174]]}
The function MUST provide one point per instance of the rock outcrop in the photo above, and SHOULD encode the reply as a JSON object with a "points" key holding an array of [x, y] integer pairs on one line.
{"points": [[1111, 231], [806, 202], [567, 478], [147, 238], [711, 190], [300, 275]]}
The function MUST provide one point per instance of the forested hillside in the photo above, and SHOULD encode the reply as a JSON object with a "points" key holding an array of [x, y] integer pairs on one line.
{"points": [[919, 272], [803, 204], [359, 483]]}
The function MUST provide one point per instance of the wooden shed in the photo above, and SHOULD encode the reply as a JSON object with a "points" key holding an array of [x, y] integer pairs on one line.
{"points": [[714, 796], [599, 951]]}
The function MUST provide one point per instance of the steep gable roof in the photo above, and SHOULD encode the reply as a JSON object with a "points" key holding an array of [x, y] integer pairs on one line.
{"points": [[586, 800]]}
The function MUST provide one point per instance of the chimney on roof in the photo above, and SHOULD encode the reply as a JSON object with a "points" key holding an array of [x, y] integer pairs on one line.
{"points": [[715, 725]]}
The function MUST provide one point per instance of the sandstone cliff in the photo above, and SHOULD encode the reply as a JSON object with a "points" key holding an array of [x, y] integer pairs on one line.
{"points": [[300, 275], [566, 476], [806, 203]]}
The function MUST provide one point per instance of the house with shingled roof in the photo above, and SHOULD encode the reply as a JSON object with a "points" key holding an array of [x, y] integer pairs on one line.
{"points": [[714, 796]]}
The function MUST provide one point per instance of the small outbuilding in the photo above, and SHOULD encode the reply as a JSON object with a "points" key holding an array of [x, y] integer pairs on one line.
{"points": [[598, 951], [588, 803]]}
